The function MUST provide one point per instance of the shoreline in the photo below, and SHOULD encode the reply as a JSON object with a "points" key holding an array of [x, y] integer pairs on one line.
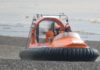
{"points": [[22, 40]]}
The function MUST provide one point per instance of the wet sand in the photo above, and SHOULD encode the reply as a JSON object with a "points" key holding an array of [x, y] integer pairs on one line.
{"points": [[9, 57]]}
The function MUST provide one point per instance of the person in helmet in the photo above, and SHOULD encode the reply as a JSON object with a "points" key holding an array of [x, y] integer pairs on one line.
{"points": [[49, 35], [57, 29], [68, 28]]}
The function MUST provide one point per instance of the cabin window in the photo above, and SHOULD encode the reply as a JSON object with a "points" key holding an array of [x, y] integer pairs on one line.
{"points": [[44, 26]]}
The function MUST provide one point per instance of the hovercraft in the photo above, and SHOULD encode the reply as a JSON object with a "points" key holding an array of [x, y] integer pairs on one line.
{"points": [[51, 38]]}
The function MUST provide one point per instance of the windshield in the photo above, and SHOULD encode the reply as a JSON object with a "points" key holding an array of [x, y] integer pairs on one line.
{"points": [[44, 26]]}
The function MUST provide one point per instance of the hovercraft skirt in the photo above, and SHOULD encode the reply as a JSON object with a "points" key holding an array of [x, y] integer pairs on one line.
{"points": [[60, 54]]}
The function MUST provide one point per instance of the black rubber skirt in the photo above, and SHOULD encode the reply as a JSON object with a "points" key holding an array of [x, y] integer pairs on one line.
{"points": [[60, 54]]}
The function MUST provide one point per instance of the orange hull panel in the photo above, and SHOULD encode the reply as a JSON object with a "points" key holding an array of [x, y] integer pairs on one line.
{"points": [[66, 42]]}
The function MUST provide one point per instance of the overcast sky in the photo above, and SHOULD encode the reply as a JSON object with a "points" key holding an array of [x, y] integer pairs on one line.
{"points": [[28, 7]]}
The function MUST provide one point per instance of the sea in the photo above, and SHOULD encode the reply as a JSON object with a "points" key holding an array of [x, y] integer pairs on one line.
{"points": [[89, 29]]}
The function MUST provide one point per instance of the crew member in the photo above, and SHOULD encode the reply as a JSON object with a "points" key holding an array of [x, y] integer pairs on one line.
{"points": [[49, 36], [67, 28]]}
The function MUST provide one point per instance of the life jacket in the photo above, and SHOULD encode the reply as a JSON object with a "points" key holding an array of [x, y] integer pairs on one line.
{"points": [[49, 35]]}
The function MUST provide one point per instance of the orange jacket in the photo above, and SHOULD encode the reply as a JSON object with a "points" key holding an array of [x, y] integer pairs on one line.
{"points": [[49, 35]]}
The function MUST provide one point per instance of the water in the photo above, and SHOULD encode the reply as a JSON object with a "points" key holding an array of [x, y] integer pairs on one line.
{"points": [[19, 31], [88, 30]]}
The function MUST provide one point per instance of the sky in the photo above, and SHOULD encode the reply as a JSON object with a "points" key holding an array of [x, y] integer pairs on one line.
{"points": [[73, 8]]}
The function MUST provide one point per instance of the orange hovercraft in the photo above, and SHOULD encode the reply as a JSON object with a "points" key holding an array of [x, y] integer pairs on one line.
{"points": [[51, 38]]}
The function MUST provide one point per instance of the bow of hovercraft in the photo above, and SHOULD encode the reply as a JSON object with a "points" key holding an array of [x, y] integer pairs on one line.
{"points": [[59, 43]]}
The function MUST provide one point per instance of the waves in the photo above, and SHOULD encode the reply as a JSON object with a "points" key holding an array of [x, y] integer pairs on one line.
{"points": [[92, 20], [87, 33]]}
